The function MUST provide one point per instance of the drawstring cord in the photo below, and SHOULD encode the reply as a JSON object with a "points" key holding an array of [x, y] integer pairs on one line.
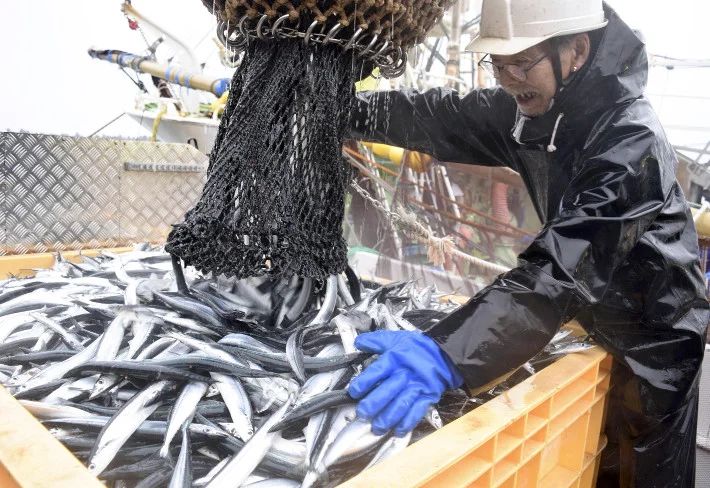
{"points": [[518, 130], [552, 147]]}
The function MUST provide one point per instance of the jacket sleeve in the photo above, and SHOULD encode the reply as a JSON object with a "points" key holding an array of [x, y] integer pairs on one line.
{"points": [[438, 122], [619, 191]]}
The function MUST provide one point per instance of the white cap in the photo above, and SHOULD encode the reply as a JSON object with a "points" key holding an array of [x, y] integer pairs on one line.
{"points": [[511, 26]]}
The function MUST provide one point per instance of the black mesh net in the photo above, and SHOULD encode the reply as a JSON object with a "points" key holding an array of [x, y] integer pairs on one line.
{"points": [[273, 202]]}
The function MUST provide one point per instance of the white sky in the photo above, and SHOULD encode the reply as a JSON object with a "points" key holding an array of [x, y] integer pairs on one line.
{"points": [[48, 83]]}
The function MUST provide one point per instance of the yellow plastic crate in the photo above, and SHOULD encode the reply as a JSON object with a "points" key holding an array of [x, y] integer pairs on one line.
{"points": [[21, 265], [31, 457], [544, 432]]}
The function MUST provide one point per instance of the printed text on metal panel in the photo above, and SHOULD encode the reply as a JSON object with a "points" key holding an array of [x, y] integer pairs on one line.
{"points": [[181, 168]]}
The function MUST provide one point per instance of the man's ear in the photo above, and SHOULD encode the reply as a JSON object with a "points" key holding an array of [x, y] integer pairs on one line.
{"points": [[581, 47]]}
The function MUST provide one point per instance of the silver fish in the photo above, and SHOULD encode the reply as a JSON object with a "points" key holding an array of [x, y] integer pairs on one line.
{"points": [[182, 473], [71, 390], [356, 438], [10, 323], [212, 473], [238, 469], [237, 401], [147, 319], [331, 295], [183, 411], [274, 483], [345, 291], [125, 422], [389, 448], [71, 340], [113, 336], [433, 418], [44, 410], [58, 370]]}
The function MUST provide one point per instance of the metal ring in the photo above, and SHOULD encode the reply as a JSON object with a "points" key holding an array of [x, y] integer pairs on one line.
{"points": [[309, 31], [232, 61], [275, 32], [242, 29], [239, 42], [221, 27], [384, 61], [236, 44], [353, 39], [390, 58], [332, 32], [398, 52], [368, 48], [382, 49], [395, 71], [258, 28]]}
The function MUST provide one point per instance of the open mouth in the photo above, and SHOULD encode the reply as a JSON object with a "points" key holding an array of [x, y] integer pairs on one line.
{"points": [[525, 98]]}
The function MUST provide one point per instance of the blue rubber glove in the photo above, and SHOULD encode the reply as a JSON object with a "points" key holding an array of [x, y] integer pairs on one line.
{"points": [[410, 375]]}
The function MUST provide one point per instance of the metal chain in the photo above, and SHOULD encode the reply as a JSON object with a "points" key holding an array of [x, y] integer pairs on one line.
{"points": [[390, 58]]}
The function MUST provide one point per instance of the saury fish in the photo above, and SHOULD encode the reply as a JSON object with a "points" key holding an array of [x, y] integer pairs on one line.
{"points": [[225, 382]]}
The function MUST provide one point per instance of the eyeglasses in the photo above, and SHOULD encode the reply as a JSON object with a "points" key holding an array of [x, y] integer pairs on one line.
{"points": [[514, 70]]}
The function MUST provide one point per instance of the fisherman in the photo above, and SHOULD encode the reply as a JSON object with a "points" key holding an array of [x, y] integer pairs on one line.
{"points": [[618, 249]]}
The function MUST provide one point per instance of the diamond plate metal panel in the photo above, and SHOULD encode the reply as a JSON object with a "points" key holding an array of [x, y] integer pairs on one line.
{"points": [[3, 186], [73, 193], [152, 201], [62, 193]]}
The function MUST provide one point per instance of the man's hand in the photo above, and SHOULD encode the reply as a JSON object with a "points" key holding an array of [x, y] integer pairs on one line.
{"points": [[411, 374]]}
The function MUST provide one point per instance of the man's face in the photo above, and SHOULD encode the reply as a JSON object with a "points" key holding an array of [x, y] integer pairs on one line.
{"points": [[533, 95]]}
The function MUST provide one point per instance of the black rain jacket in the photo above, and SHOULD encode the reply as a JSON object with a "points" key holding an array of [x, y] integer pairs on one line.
{"points": [[618, 249]]}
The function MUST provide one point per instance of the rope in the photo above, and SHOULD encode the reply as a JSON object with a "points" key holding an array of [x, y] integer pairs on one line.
{"points": [[156, 122], [439, 247], [106, 125], [443, 197], [430, 208]]}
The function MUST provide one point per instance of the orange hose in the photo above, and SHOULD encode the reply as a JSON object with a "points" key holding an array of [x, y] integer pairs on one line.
{"points": [[499, 198]]}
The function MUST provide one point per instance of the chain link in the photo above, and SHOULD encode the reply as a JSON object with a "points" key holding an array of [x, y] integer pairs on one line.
{"points": [[390, 58]]}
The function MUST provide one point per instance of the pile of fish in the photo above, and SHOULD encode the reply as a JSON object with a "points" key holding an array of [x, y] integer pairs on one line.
{"points": [[154, 375]]}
